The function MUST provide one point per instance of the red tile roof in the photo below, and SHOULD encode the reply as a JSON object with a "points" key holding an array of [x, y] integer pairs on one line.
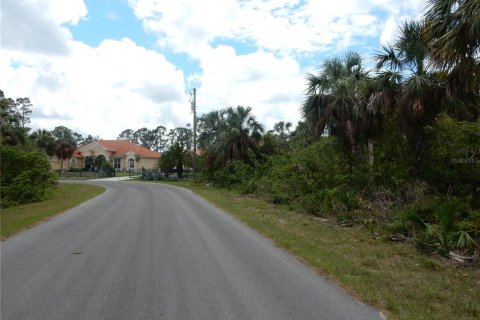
{"points": [[122, 147]]}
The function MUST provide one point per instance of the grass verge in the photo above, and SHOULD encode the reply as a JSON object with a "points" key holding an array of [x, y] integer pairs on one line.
{"points": [[395, 278], [66, 196]]}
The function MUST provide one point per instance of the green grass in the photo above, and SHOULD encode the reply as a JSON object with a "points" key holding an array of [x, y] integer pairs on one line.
{"points": [[395, 278], [66, 196]]}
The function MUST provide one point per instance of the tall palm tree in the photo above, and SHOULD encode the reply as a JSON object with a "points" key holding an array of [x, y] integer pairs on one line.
{"points": [[333, 99], [453, 37], [407, 82], [402, 69]]}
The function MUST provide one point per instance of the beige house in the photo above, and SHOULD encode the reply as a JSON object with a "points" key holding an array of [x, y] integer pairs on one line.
{"points": [[121, 154]]}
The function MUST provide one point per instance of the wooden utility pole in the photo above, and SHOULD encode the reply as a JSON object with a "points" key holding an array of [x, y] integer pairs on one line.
{"points": [[194, 107]]}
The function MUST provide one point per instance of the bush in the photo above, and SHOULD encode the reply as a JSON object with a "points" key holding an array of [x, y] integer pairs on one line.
{"points": [[26, 175], [314, 178], [234, 174], [454, 158], [106, 169]]}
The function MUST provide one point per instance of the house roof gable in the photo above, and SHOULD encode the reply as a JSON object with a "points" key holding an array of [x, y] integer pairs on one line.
{"points": [[122, 147]]}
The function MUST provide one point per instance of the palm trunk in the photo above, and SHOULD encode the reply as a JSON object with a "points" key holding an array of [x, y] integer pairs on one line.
{"points": [[180, 170], [370, 152], [61, 162]]}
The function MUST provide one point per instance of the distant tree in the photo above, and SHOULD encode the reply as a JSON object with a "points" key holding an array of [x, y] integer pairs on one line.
{"points": [[208, 127], [301, 136], [158, 138], [23, 106], [78, 137], [276, 140], [66, 143], [13, 119], [127, 135], [182, 135], [89, 139], [152, 139], [282, 129], [44, 140], [141, 136]]}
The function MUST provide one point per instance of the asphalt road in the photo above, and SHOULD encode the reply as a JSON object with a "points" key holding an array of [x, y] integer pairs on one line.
{"points": [[149, 251]]}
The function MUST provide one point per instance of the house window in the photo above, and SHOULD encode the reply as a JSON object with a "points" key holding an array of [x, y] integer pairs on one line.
{"points": [[73, 163], [116, 163], [131, 163]]}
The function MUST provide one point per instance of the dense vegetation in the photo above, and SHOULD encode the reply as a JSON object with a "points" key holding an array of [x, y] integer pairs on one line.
{"points": [[395, 148], [26, 174]]}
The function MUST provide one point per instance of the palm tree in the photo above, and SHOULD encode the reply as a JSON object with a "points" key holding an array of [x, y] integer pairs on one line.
{"points": [[66, 143], [174, 157], [238, 134], [453, 37], [405, 81], [282, 129], [333, 99], [44, 140]]}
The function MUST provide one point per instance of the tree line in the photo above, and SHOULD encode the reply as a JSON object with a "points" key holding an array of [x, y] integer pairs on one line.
{"points": [[158, 139]]}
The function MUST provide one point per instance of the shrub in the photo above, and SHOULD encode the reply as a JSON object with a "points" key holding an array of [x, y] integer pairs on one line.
{"points": [[26, 175], [314, 178], [454, 157], [235, 174]]}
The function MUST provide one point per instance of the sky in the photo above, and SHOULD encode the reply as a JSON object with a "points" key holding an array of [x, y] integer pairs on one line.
{"points": [[102, 66]]}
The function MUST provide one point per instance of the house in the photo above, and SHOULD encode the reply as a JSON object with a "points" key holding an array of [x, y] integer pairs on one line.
{"points": [[121, 154]]}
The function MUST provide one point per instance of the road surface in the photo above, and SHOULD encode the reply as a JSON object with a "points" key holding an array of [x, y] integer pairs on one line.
{"points": [[149, 251]]}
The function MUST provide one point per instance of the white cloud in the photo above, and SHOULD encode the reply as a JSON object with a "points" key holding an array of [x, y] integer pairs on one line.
{"points": [[271, 86], [270, 79], [35, 25], [283, 26], [98, 90], [118, 84], [390, 32]]}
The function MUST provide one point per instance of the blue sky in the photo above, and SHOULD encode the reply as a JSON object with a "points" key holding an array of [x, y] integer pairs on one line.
{"points": [[102, 66]]}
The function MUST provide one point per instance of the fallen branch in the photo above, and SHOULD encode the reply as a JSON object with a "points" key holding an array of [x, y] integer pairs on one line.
{"points": [[460, 258]]}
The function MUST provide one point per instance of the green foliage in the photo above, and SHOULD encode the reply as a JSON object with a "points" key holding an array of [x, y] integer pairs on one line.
{"points": [[43, 139], [454, 155], [393, 158], [174, 158], [440, 225], [230, 134], [313, 178], [26, 175], [236, 174], [105, 168], [66, 143], [14, 115]]}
